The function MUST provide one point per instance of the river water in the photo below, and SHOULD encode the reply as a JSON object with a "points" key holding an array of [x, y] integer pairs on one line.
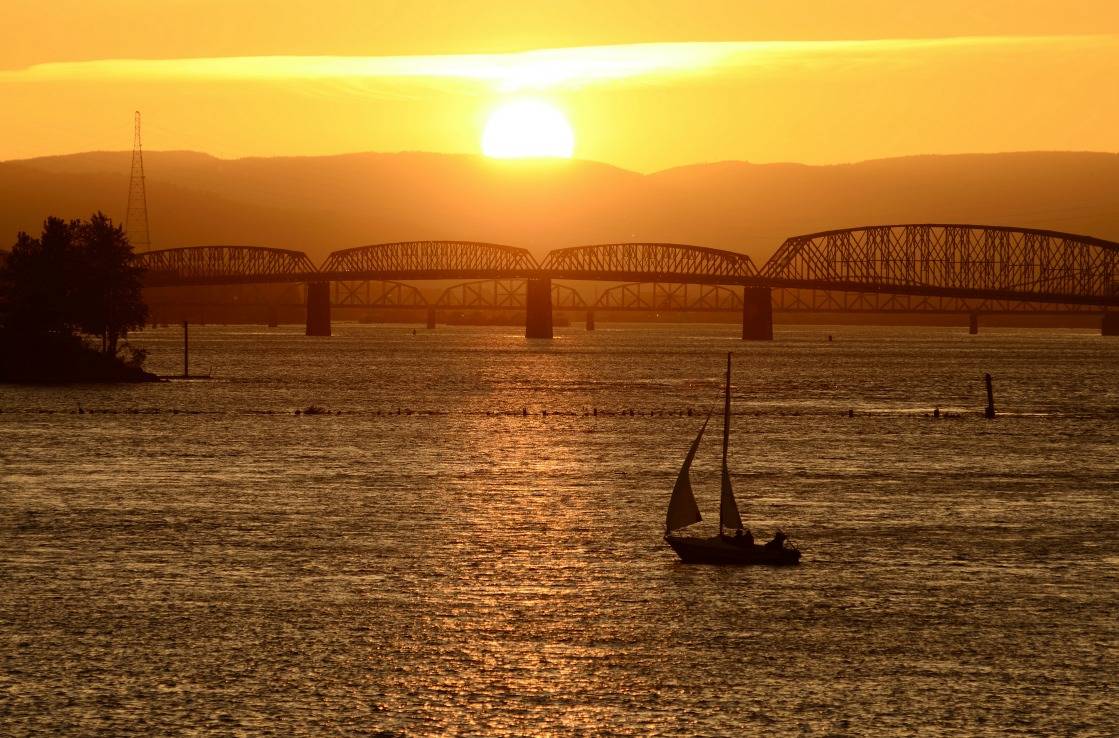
{"points": [[424, 558]]}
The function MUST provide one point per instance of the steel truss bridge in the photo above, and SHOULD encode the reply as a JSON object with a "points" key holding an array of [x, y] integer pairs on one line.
{"points": [[889, 268], [510, 294]]}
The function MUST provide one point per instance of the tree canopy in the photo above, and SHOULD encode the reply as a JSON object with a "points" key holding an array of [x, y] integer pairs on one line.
{"points": [[76, 277]]}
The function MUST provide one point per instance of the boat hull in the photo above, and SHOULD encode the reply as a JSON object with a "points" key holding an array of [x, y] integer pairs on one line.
{"points": [[716, 550]]}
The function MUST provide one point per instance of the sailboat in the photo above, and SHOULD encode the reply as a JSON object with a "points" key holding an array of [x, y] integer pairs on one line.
{"points": [[722, 548]]}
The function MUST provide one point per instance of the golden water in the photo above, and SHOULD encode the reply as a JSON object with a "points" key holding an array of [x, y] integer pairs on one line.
{"points": [[194, 557]]}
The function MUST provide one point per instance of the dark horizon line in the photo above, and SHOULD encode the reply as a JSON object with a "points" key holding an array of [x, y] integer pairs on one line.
{"points": [[573, 160]]}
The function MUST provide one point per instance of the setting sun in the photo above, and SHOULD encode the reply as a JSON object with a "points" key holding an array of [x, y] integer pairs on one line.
{"points": [[528, 128]]}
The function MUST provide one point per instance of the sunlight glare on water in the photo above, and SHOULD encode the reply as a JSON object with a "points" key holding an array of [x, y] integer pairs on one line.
{"points": [[424, 559]]}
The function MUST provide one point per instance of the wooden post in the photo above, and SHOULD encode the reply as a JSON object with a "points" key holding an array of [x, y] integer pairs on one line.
{"points": [[186, 349], [990, 411], [973, 324]]}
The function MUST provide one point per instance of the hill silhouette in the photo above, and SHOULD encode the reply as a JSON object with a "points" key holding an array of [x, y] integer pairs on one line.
{"points": [[319, 204]]}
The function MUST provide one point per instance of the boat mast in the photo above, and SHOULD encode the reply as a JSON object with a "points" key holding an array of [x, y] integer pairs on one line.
{"points": [[726, 436]]}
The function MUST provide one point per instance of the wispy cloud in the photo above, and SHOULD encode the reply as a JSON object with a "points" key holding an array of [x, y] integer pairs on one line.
{"points": [[550, 68]]}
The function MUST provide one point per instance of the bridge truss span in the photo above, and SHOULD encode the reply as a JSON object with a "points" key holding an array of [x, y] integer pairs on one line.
{"points": [[217, 265], [428, 260], [643, 262], [376, 294], [961, 261], [658, 296], [504, 294]]}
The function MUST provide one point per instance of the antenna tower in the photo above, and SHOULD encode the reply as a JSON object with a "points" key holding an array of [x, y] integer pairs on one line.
{"points": [[136, 217]]}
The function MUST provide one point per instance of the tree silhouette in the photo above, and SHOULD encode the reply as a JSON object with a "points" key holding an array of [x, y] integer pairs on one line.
{"points": [[37, 276], [76, 276], [107, 298]]}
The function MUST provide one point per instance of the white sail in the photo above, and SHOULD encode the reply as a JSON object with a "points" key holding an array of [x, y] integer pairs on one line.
{"points": [[728, 508], [682, 508]]}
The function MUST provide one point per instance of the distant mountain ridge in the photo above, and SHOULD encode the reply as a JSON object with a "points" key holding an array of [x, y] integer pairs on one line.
{"points": [[323, 203]]}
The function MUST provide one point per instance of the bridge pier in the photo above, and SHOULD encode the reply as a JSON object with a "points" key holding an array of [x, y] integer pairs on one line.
{"points": [[973, 324], [430, 318], [590, 320], [318, 308], [1109, 326], [538, 308], [757, 314]]}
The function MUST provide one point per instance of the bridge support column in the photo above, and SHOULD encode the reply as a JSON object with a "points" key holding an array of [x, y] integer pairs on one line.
{"points": [[431, 317], [590, 320], [973, 324], [757, 314], [1109, 326], [318, 309], [538, 309]]}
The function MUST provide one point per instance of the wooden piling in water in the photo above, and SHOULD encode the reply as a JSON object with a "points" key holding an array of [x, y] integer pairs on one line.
{"points": [[990, 411]]}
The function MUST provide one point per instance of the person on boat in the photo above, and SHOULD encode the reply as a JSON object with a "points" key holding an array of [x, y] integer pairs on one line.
{"points": [[743, 537], [778, 541]]}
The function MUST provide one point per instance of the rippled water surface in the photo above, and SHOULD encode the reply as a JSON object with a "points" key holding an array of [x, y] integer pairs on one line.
{"points": [[424, 558]]}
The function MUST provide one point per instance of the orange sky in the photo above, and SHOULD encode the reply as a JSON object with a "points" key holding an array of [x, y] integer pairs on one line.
{"points": [[646, 85]]}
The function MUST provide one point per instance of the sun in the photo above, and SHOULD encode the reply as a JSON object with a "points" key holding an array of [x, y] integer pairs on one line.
{"points": [[528, 128]]}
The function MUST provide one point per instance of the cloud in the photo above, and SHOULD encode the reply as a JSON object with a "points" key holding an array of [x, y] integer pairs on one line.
{"points": [[547, 69]]}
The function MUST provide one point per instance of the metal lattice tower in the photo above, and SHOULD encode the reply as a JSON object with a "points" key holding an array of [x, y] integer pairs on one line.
{"points": [[136, 217]]}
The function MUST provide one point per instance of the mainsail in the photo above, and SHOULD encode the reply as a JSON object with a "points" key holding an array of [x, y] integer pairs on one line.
{"points": [[728, 508], [682, 508]]}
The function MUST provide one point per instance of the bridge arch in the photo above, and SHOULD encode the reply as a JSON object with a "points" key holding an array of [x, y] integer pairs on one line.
{"points": [[952, 260], [654, 262], [215, 265], [504, 294], [376, 294], [655, 296], [428, 260]]}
